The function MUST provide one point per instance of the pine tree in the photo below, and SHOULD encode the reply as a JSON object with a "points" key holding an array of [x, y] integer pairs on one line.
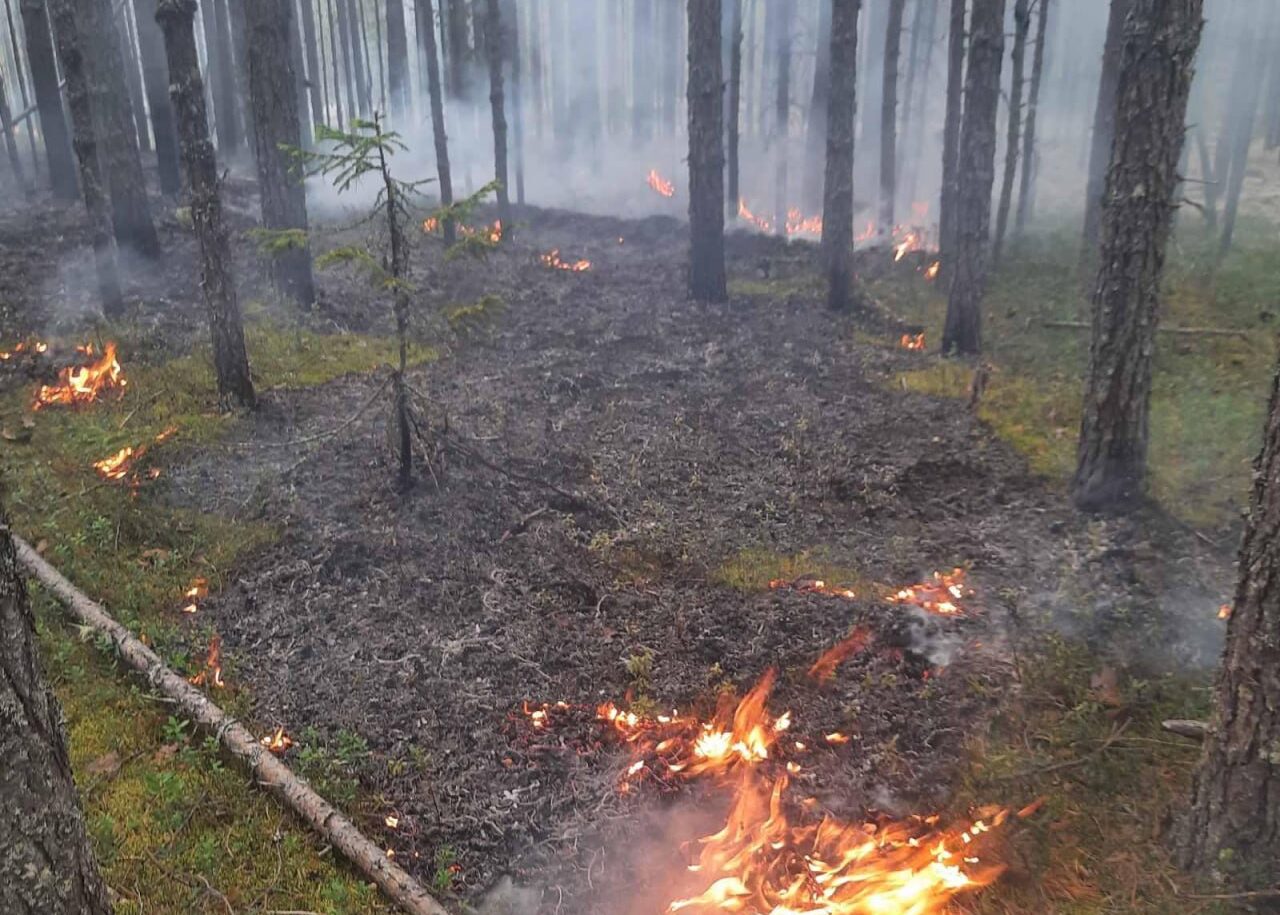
{"points": [[1026, 189], [441, 139], [397, 59], [44, 79], [493, 52], [733, 112], [837, 207], [1104, 127], [155, 77], [948, 203], [889, 116], [706, 154], [1022, 26]]}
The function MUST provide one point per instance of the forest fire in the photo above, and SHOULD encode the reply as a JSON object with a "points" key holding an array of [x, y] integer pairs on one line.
{"points": [[278, 742], [907, 242], [25, 347], [198, 589], [83, 384], [491, 233], [553, 261], [931, 272], [211, 673], [120, 465], [796, 222], [940, 595], [912, 342], [855, 642], [660, 184], [810, 586]]}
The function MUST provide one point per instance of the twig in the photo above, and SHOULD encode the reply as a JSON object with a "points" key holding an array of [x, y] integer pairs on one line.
{"points": [[520, 526], [1252, 894]]}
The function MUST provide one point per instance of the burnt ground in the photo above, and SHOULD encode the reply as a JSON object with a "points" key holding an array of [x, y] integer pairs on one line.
{"points": [[621, 444]]}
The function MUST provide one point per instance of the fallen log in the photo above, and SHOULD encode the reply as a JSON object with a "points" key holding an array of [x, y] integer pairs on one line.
{"points": [[1186, 727], [270, 772], [1181, 331]]}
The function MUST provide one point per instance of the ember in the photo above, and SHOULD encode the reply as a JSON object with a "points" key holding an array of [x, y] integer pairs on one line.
{"points": [[660, 184], [278, 742], [912, 342], [553, 260], [211, 673], [83, 384], [23, 347], [811, 586], [1224, 612], [941, 595]]}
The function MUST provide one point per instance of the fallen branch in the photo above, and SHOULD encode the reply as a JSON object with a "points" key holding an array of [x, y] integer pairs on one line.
{"points": [[270, 772], [1186, 727], [1181, 331]]}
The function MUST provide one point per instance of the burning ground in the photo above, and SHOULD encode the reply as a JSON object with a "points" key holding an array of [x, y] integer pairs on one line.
{"points": [[644, 469]]}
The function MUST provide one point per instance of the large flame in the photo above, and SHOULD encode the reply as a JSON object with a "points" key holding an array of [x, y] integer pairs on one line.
{"points": [[554, 261], [83, 384], [660, 184]]}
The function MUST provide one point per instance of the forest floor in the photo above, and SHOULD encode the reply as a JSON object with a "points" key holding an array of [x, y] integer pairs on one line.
{"points": [[630, 472]]}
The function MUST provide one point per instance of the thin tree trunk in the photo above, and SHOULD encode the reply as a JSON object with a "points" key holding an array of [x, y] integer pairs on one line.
{"points": [[44, 79], [397, 59], [781, 113], [1246, 108], [1030, 165], [297, 60], [73, 55], [274, 98], [963, 329], [642, 57], [816, 131], [315, 72], [230, 361], [155, 74], [706, 154], [355, 56], [669, 18], [47, 867], [837, 205], [948, 202], [889, 116], [1104, 127], [493, 51], [133, 78], [11, 142], [1156, 52], [1022, 26], [915, 124], [734, 113], [334, 66], [380, 102], [459, 87], [222, 76], [351, 78], [511, 35], [437, 127], [22, 85], [234, 18]]}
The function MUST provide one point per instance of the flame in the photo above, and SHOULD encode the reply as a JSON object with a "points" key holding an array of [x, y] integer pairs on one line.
{"points": [[393, 822], [660, 184], [553, 261], [34, 346], [912, 341], [491, 233], [117, 466], [941, 595], [824, 668], [83, 384], [430, 224], [910, 241], [211, 673], [1224, 612], [811, 586], [278, 742], [198, 588], [796, 222], [931, 272]]}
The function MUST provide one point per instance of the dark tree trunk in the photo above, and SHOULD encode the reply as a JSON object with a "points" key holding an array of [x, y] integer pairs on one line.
{"points": [[734, 112], [669, 46], [889, 115], [457, 41], [642, 54], [437, 126], [493, 50], [44, 79], [364, 92], [948, 203], [297, 61], [816, 130], [273, 96], [1013, 139], [223, 76], [783, 13], [1026, 189], [11, 142], [315, 73], [351, 77], [155, 74], [397, 59], [963, 330], [133, 80], [334, 66], [230, 361], [75, 69], [1232, 829], [47, 867], [706, 154], [510, 16], [1156, 54], [1244, 114], [1104, 128], [837, 204]]}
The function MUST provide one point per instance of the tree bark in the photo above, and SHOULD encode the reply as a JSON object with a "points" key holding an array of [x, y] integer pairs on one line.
{"points": [[155, 76], [334, 65], [837, 204], [350, 10], [459, 58], [47, 867], [222, 73], [22, 85], [889, 116], [642, 56], [1245, 110], [133, 78], [274, 99], [706, 154], [230, 361], [75, 69], [447, 226], [315, 73], [11, 141], [1232, 829], [44, 79], [734, 112], [951, 139], [351, 78], [493, 51], [1013, 139], [783, 15], [816, 129], [511, 43], [1156, 52], [962, 332], [1104, 128], [297, 61], [397, 59], [1026, 189]]}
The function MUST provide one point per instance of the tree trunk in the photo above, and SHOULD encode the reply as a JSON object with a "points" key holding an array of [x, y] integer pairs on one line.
{"points": [[133, 79], [155, 75], [350, 77], [1232, 829], [816, 130], [783, 14], [642, 55], [459, 87], [734, 112], [44, 79], [1245, 111], [315, 73], [1022, 26], [234, 22], [377, 89], [297, 61], [437, 126], [493, 50], [963, 330], [889, 116], [672, 61], [47, 867], [230, 361], [837, 204], [222, 76], [334, 66], [274, 98], [511, 35], [912, 115], [1104, 128], [22, 85], [355, 55], [1026, 189], [706, 154], [75, 69], [397, 60], [11, 141], [1156, 51], [948, 202]]}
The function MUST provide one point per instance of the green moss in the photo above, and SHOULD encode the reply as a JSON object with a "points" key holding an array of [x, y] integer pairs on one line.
{"points": [[782, 287], [752, 569]]}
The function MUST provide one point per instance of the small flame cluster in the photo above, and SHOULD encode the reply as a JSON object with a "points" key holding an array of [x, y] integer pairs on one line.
{"points": [[553, 261], [660, 185], [810, 586], [491, 233], [211, 673], [32, 347], [197, 590], [278, 742], [931, 272], [83, 384], [796, 222], [941, 594], [120, 466], [913, 342], [1224, 612]]}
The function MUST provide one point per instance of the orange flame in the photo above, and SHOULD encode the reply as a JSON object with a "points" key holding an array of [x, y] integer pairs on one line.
{"points": [[554, 261], [811, 586], [198, 589], [83, 384], [824, 668], [117, 466], [796, 222], [1224, 612], [931, 272], [660, 184], [941, 595], [278, 742], [211, 673], [912, 341], [491, 233], [34, 346]]}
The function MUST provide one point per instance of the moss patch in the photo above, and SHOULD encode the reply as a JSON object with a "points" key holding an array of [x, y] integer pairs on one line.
{"points": [[753, 569]]}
